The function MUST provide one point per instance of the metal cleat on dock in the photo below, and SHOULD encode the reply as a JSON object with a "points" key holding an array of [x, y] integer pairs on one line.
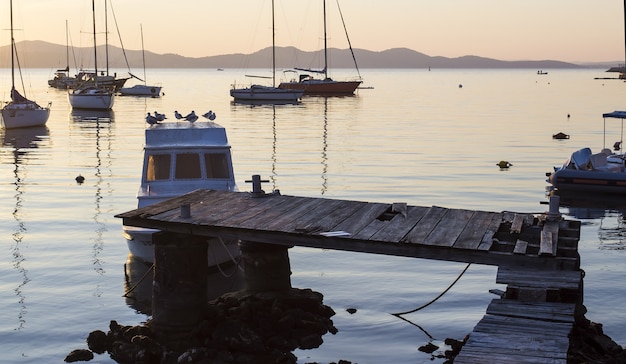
{"points": [[256, 187]]}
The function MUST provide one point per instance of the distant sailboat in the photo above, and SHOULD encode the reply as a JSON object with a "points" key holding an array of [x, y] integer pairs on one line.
{"points": [[269, 94], [323, 86], [139, 89], [92, 96], [21, 112]]}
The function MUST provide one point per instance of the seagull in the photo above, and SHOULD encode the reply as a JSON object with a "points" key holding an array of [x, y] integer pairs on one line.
{"points": [[191, 117], [209, 115], [177, 115], [159, 117], [151, 119]]}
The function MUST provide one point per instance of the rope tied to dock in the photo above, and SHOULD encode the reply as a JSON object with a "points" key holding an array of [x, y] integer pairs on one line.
{"points": [[398, 314]]}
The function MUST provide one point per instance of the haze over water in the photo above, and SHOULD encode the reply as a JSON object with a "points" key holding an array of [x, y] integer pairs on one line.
{"points": [[416, 137]]}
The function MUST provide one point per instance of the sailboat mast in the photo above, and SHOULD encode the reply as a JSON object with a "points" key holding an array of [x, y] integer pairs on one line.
{"points": [[67, 49], [326, 46], [95, 52], [106, 35], [143, 54], [274, 48], [13, 52]]}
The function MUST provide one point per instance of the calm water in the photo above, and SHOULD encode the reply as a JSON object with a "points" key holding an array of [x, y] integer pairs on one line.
{"points": [[416, 137]]}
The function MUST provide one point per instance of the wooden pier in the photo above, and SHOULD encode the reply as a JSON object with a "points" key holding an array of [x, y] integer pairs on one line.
{"points": [[537, 255]]}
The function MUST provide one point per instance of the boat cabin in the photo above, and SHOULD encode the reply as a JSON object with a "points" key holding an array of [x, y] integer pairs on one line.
{"points": [[182, 157]]}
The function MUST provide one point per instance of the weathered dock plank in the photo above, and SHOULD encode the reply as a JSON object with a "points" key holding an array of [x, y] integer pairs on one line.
{"points": [[423, 232]]}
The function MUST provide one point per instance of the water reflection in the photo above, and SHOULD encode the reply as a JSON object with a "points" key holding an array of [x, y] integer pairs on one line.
{"points": [[98, 123], [21, 141], [607, 211], [138, 283]]}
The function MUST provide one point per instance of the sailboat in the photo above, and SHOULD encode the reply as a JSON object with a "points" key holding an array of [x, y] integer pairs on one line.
{"points": [[270, 94], [92, 96], [139, 89], [62, 79], [21, 112], [323, 86]]}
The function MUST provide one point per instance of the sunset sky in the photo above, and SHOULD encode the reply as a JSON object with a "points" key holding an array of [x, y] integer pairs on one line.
{"points": [[566, 30]]}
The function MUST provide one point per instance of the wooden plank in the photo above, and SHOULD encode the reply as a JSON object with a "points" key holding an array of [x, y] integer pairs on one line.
{"points": [[546, 279], [516, 225], [418, 234], [269, 215], [308, 223], [341, 212], [361, 218], [549, 238], [475, 230], [449, 228], [289, 220], [520, 247], [558, 312], [250, 208], [400, 225]]}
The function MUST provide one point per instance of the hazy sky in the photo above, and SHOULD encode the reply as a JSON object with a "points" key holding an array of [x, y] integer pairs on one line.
{"points": [[567, 30]]}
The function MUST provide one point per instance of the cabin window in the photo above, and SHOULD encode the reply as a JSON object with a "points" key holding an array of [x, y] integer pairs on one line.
{"points": [[187, 166], [216, 165], [158, 167]]}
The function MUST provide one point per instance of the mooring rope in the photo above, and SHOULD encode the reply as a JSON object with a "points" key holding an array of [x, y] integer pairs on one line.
{"points": [[436, 298], [138, 283], [233, 259]]}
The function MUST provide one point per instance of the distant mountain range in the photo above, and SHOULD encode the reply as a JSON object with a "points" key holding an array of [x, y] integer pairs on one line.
{"points": [[39, 54]]}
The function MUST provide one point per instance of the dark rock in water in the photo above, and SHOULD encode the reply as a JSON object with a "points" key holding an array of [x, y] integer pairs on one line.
{"points": [[240, 327], [428, 348], [79, 355], [98, 341]]}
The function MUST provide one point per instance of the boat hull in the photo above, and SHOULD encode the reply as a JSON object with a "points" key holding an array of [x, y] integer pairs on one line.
{"points": [[24, 116], [93, 101], [141, 90], [266, 94], [140, 245], [323, 87], [589, 181]]}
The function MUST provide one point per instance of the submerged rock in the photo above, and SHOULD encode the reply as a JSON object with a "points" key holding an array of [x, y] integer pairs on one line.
{"points": [[239, 327]]}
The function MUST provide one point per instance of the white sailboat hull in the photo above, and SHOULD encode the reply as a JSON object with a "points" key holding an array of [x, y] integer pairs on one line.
{"points": [[24, 115], [141, 90], [88, 100], [263, 93]]}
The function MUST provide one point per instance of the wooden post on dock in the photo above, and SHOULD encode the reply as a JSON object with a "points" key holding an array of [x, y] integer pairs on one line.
{"points": [[179, 294], [266, 267]]}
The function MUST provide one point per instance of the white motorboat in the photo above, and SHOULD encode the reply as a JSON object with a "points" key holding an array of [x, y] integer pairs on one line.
{"points": [[602, 172], [21, 112], [180, 157]]}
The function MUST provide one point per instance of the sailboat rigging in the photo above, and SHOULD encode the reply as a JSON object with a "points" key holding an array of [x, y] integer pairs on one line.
{"points": [[269, 94], [92, 96], [139, 89], [21, 112], [325, 86]]}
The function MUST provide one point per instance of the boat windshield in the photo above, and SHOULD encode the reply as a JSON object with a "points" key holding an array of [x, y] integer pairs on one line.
{"points": [[187, 166]]}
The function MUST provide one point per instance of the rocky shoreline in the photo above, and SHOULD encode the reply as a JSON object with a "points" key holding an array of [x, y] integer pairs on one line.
{"points": [[252, 327]]}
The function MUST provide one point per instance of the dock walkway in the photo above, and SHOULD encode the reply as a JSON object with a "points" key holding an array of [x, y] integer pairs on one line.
{"points": [[537, 256]]}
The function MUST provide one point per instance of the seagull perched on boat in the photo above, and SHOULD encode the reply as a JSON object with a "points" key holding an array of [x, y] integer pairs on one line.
{"points": [[209, 115], [151, 119], [159, 117], [177, 115], [191, 117]]}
